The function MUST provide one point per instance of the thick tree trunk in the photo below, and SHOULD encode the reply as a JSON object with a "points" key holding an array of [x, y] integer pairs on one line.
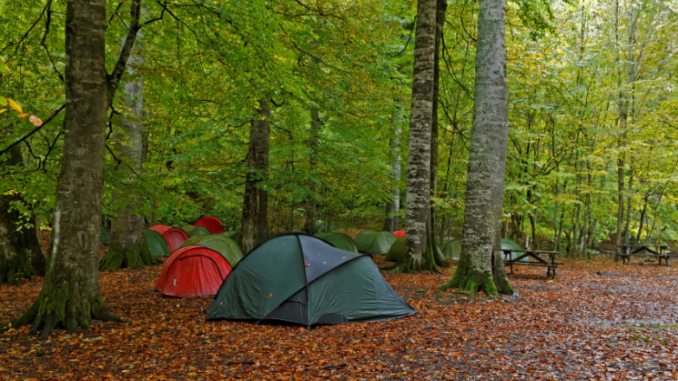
{"points": [[128, 247], [311, 204], [70, 293], [418, 208], [255, 205], [481, 267], [391, 220], [20, 254]]}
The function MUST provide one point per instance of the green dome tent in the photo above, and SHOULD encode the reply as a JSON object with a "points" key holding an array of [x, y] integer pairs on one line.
{"points": [[219, 243], [325, 227], [340, 240], [233, 234], [397, 250], [452, 250], [187, 228], [156, 243], [507, 244], [199, 231], [300, 279], [372, 242]]}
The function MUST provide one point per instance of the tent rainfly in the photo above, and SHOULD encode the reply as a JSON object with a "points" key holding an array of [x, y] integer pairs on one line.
{"points": [[156, 243], [507, 244], [372, 242], [193, 272], [219, 243], [174, 237], [160, 228], [233, 234], [212, 224], [339, 240], [397, 250], [300, 279], [187, 228], [199, 231], [399, 233]]}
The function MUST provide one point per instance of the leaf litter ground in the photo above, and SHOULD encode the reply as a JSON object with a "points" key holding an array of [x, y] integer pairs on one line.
{"points": [[596, 320]]}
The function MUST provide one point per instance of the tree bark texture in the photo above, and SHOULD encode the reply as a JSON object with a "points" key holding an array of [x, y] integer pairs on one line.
{"points": [[441, 7], [418, 208], [480, 267], [70, 293], [313, 141], [391, 220], [255, 205], [128, 247], [20, 253]]}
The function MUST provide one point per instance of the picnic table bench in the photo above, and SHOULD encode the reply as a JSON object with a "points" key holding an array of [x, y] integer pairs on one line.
{"points": [[648, 251], [534, 258]]}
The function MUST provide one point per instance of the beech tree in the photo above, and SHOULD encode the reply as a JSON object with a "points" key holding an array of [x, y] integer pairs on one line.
{"points": [[481, 266]]}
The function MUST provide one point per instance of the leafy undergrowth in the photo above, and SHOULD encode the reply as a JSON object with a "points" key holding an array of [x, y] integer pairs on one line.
{"points": [[596, 320]]}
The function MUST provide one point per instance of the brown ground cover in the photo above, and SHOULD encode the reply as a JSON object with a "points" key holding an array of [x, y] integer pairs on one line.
{"points": [[596, 320]]}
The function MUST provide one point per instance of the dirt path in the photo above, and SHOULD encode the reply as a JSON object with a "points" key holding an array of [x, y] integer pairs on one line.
{"points": [[597, 320]]}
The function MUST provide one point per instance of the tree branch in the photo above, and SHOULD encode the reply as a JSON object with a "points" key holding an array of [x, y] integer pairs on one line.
{"points": [[126, 51], [28, 135]]}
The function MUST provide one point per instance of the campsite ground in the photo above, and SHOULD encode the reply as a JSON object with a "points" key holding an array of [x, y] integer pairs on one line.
{"points": [[596, 320]]}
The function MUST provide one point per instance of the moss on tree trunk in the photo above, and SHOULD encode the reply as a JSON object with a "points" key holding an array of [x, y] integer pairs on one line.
{"points": [[130, 256]]}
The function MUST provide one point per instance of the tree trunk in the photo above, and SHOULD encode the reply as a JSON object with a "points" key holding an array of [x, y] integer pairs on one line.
{"points": [[311, 204], [128, 247], [20, 254], [481, 266], [70, 293], [391, 220], [627, 226], [418, 207], [255, 205]]}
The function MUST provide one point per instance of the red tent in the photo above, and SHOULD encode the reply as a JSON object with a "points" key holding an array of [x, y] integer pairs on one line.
{"points": [[160, 228], [193, 271], [399, 233], [174, 237], [212, 224]]}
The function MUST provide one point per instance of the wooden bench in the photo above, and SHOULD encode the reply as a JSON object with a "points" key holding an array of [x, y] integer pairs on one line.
{"points": [[533, 259], [646, 251]]}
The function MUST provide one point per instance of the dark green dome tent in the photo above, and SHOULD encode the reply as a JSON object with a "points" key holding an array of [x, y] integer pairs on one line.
{"points": [[156, 243], [301, 279], [219, 243], [187, 228], [372, 242], [199, 231], [339, 240], [233, 234], [397, 250]]}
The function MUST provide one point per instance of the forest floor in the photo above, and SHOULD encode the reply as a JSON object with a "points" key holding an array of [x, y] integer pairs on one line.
{"points": [[597, 320]]}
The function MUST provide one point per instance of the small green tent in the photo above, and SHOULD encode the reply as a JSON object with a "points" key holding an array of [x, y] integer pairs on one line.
{"points": [[156, 243], [233, 234], [219, 243], [340, 240], [199, 231], [507, 244], [372, 242], [325, 227], [300, 279], [452, 249], [397, 250], [187, 228]]}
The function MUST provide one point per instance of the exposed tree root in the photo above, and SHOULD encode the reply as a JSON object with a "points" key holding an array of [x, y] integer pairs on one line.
{"points": [[411, 265]]}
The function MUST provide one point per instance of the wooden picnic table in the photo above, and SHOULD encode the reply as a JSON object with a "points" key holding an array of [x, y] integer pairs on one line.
{"points": [[657, 251], [534, 258]]}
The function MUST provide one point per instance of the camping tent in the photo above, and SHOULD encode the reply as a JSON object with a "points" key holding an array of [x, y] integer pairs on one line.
{"points": [[174, 237], [233, 234], [399, 233], [297, 278], [156, 243], [397, 250], [199, 230], [372, 242], [193, 272], [212, 224], [187, 228], [219, 243], [452, 250], [507, 244], [325, 227], [339, 240], [160, 228]]}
